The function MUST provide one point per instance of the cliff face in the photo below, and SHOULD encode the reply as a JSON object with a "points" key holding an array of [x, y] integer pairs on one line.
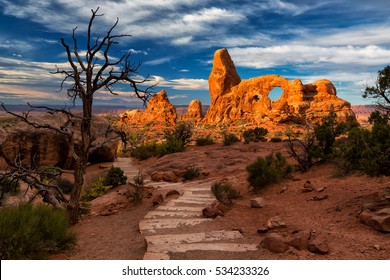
{"points": [[233, 99]]}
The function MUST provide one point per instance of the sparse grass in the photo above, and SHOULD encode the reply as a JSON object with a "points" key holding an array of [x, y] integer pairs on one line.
{"points": [[191, 173], [225, 193], [268, 170], [139, 187], [204, 141], [95, 188], [33, 232], [229, 139]]}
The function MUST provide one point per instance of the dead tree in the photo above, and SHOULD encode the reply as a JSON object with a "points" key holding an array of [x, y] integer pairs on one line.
{"points": [[89, 74]]}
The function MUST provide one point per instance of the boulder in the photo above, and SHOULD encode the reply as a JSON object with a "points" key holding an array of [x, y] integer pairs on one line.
{"points": [[194, 112], [379, 220], [38, 147], [274, 243], [158, 111], [318, 246], [300, 240], [234, 100]]}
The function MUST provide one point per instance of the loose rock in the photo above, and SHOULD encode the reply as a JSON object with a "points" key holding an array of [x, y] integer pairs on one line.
{"points": [[300, 240], [275, 223], [274, 243], [258, 202], [318, 247]]}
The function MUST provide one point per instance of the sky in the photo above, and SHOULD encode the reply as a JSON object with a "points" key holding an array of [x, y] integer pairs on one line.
{"points": [[344, 41]]}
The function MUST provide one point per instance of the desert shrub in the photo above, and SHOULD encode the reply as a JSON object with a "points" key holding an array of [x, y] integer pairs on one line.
{"points": [[303, 149], [182, 132], [95, 188], [204, 141], [268, 170], [224, 192], [8, 185], [254, 134], [327, 131], [33, 232], [318, 142], [170, 146], [65, 185], [229, 139], [276, 139], [115, 177], [145, 151], [191, 173], [138, 181], [366, 150], [48, 174]]}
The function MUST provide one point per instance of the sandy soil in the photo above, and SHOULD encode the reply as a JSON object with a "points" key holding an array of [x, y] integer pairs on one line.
{"points": [[334, 219]]}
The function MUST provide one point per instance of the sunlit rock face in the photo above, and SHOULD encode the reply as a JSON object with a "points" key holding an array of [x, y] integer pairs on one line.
{"points": [[233, 99], [159, 111], [194, 112]]}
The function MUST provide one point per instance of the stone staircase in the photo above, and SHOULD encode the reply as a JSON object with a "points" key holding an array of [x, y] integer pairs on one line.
{"points": [[181, 215]]}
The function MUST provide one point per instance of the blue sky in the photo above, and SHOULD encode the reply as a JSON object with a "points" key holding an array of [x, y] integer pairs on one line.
{"points": [[346, 42]]}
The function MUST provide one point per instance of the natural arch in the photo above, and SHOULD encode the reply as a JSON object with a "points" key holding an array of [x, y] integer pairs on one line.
{"points": [[275, 93]]}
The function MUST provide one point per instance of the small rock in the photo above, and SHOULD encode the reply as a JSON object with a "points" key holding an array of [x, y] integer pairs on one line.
{"points": [[377, 247], [103, 166], [157, 176], [262, 230], [318, 198], [170, 176], [282, 190], [258, 202], [320, 189], [275, 223], [379, 220], [274, 243], [307, 187], [210, 212], [318, 247], [158, 199], [172, 192], [300, 240], [239, 230]]}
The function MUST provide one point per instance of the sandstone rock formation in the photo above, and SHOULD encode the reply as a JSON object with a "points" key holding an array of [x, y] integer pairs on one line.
{"points": [[37, 147], [233, 99], [159, 110], [194, 112]]}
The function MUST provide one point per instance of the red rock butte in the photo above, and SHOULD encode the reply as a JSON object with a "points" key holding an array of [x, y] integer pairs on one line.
{"points": [[233, 99]]}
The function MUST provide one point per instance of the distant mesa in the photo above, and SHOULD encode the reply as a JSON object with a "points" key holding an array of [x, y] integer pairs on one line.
{"points": [[233, 99]]}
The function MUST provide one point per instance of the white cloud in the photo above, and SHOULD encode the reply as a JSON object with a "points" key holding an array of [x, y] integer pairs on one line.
{"points": [[282, 55], [158, 61], [178, 96], [182, 41], [182, 84]]}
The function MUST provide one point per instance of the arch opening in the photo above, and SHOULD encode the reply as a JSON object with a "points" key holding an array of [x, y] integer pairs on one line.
{"points": [[275, 93]]}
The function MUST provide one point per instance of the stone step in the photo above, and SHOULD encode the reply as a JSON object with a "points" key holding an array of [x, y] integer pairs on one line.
{"points": [[212, 236], [182, 248], [195, 198], [189, 201], [179, 208], [173, 214], [151, 225]]}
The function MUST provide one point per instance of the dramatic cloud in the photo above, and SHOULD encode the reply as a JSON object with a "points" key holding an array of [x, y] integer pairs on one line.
{"points": [[284, 55]]}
